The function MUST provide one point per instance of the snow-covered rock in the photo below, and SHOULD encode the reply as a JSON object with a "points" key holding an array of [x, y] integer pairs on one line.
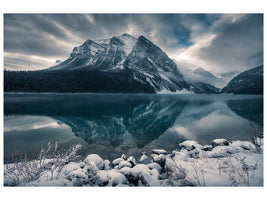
{"points": [[244, 145], [117, 161], [103, 178], [107, 164], [180, 155], [154, 166], [160, 159], [70, 167], [221, 151], [132, 160], [207, 147], [124, 164], [159, 151], [94, 160], [189, 145], [141, 173], [124, 156], [144, 159], [116, 178], [219, 142]]}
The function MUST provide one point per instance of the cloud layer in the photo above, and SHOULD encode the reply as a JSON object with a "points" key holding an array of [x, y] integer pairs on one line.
{"points": [[217, 42]]}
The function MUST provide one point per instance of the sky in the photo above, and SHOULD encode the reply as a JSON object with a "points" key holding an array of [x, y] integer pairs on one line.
{"points": [[219, 43]]}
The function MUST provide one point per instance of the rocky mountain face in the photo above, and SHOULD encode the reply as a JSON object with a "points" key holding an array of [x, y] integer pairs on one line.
{"points": [[248, 82], [141, 62]]}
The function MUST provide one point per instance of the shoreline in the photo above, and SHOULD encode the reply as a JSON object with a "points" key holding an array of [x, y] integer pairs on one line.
{"points": [[222, 163]]}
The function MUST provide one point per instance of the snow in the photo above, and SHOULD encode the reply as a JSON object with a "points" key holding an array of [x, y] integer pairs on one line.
{"points": [[124, 164], [95, 160], [183, 91], [243, 144], [107, 164], [189, 145], [115, 177], [220, 142], [144, 159], [103, 177], [154, 166], [131, 159], [159, 151], [129, 43], [238, 164], [117, 161]]}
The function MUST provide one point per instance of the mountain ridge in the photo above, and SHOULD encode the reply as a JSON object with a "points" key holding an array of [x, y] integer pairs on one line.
{"points": [[247, 82], [139, 56]]}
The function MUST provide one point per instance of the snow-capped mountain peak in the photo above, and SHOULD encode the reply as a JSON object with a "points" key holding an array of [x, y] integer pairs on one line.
{"points": [[144, 63]]}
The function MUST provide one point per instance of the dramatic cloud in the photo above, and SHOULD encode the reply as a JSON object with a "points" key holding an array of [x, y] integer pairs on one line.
{"points": [[218, 43]]}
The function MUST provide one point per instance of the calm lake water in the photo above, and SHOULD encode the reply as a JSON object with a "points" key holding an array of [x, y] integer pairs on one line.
{"points": [[110, 125]]}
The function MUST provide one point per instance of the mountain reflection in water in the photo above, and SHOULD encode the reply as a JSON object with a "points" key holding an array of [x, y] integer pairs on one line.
{"points": [[114, 124]]}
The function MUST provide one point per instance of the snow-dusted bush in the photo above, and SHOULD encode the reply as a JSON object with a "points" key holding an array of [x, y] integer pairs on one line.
{"points": [[49, 160]]}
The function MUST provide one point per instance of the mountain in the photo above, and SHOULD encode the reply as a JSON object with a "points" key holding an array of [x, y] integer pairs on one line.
{"points": [[196, 74], [121, 64], [248, 82], [140, 58]]}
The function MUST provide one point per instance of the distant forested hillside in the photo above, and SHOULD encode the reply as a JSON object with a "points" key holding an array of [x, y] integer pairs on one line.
{"points": [[74, 81]]}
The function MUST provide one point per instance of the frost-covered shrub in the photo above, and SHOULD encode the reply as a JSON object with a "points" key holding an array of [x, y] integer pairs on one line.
{"points": [[20, 173]]}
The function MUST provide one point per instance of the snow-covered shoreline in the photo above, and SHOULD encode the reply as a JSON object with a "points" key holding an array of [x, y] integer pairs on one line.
{"points": [[223, 163]]}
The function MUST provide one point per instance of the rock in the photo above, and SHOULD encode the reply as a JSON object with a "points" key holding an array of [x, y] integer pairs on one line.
{"points": [[78, 177], [124, 157], [145, 159], [94, 160], [124, 164], [116, 178], [189, 145], [243, 145], [154, 166], [132, 160], [160, 159], [103, 178], [219, 142], [195, 153], [72, 166], [180, 155], [107, 164], [141, 175], [207, 148], [117, 161], [159, 151], [221, 151]]}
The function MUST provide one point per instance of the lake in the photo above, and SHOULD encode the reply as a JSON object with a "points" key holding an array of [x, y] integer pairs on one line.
{"points": [[113, 124]]}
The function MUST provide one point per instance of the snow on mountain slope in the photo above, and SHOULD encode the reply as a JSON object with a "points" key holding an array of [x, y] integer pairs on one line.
{"points": [[139, 58]]}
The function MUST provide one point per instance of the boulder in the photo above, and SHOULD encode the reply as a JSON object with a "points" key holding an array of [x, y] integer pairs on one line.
{"points": [[154, 166], [94, 160], [145, 159], [159, 151], [219, 142], [160, 159], [189, 145], [207, 148], [117, 161], [124, 164], [132, 160], [103, 178], [107, 164]]}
